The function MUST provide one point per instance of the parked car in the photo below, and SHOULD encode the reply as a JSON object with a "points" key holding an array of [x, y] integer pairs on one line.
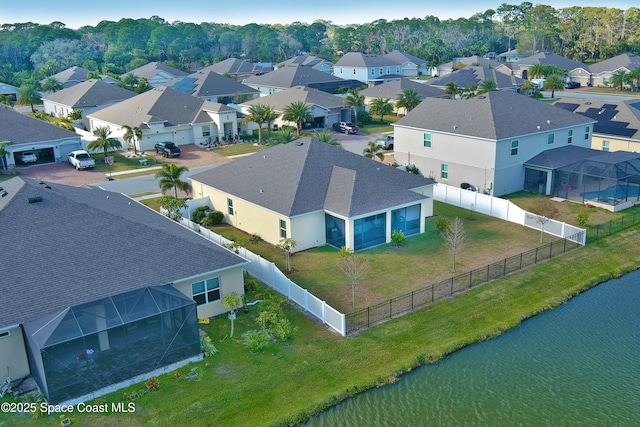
{"points": [[80, 159], [572, 85], [387, 143], [346, 127], [28, 157], [168, 149]]}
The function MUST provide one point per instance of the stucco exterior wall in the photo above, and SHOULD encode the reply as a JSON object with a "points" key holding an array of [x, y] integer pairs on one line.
{"points": [[615, 144], [308, 230], [13, 354]]}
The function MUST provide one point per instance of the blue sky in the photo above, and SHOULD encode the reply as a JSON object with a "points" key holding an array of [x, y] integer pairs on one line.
{"points": [[259, 11]]}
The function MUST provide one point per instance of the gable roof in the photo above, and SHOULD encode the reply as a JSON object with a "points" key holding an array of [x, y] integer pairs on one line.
{"points": [[493, 115], [78, 244], [90, 93], [71, 75], [308, 61], [209, 83], [162, 104], [474, 59], [394, 88], [152, 68], [290, 76], [280, 100], [365, 60], [546, 58], [18, 128], [309, 176], [628, 61], [400, 57], [474, 74], [620, 119], [236, 66]]}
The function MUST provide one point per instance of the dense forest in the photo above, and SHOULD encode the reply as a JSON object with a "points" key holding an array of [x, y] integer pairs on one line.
{"points": [[586, 34]]}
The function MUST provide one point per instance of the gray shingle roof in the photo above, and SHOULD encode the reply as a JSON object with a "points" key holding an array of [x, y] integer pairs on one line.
{"points": [[474, 59], [236, 66], [400, 57], [152, 68], [365, 60], [560, 157], [90, 93], [626, 60], [71, 75], [21, 129], [290, 76], [307, 60], [309, 176], [475, 74], [394, 88], [280, 100], [162, 104], [549, 59], [494, 115], [209, 83], [78, 245]]}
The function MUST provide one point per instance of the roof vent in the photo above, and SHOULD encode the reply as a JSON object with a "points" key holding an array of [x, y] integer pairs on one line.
{"points": [[588, 103], [299, 143], [3, 193], [538, 127], [37, 199], [264, 157], [481, 97], [548, 122], [261, 190]]}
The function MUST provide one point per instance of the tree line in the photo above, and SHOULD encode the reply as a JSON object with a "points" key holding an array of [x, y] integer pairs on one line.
{"points": [[585, 34]]}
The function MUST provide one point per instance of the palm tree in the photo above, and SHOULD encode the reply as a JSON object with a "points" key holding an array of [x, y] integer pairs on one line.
{"points": [[327, 136], [487, 85], [354, 100], [372, 150], [270, 115], [103, 142], [618, 79], [132, 134], [28, 95], [409, 99], [553, 83], [634, 78], [169, 177], [51, 84], [130, 80], [284, 136], [451, 88], [298, 112], [3, 153], [537, 70], [470, 91], [381, 106], [257, 116]]}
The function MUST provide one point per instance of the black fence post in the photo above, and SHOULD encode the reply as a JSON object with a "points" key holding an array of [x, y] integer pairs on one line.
{"points": [[412, 292], [520, 260], [536, 258], [368, 317]]}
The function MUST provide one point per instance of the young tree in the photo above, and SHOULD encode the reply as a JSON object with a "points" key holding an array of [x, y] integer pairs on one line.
{"points": [[544, 210], [618, 79], [455, 238], [231, 301], [284, 136], [381, 106], [104, 141], [269, 116], [354, 100], [51, 84], [553, 83], [257, 115], [28, 95], [132, 134], [325, 135], [298, 112], [171, 206], [373, 149], [409, 99], [287, 246], [354, 269], [169, 177], [487, 85], [452, 88], [398, 238], [3, 153]]}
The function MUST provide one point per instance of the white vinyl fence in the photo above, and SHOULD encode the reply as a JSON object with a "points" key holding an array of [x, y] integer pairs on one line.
{"points": [[267, 272], [504, 209]]}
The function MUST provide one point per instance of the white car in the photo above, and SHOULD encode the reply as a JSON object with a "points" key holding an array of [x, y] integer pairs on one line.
{"points": [[28, 157], [80, 159]]}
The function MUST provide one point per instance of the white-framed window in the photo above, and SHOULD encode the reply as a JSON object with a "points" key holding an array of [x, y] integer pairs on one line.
{"points": [[373, 71], [206, 131], [570, 137], [515, 147], [283, 229], [551, 138], [427, 140], [606, 145], [230, 206], [587, 131], [444, 171], [380, 71], [206, 291]]}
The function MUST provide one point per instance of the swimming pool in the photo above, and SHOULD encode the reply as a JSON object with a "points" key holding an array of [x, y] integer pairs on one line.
{"points": [[613, 194]]}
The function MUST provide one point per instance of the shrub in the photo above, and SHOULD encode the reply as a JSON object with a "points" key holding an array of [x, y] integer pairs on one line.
{"points": [[256, 341], [152, 384], [442, 224], [582, 219], [177, 375], [398, 238], [213, 218], [364, 118], [208, 349], [199, 214], [255, 238]]}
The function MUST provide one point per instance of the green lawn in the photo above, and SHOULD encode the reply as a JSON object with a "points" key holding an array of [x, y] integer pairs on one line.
{"points": [[122, 163], [378, 127], [238, 149]]}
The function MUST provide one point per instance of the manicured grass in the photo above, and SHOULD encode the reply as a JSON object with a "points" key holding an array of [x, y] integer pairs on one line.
{"points": [[238, 149], [378, 127], [286, 383], [122, 163]]}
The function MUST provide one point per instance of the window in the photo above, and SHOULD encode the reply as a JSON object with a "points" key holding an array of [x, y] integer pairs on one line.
{"points": [[372, 71], [570, 137], [427, 140], [380, 71], [206, 131], [283, 229], [606, 80], [398, 70], [587, 130], [230, 206], [444, 171], [605, 145], [514, 147], [551, 138], [354, 71], [206, 291], [341, 70]]}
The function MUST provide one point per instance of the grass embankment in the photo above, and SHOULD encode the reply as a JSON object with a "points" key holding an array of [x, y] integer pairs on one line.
{"points": [[286, 383]]}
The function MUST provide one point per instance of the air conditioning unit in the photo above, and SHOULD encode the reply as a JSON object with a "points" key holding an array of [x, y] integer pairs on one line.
{"points": [[489, 185]]}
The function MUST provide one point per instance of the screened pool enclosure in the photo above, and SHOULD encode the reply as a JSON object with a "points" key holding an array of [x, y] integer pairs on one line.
{"points": [[101, 343]]}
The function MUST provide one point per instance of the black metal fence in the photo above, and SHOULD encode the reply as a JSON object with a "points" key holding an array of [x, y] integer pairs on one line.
{"points": [[421, 298]]}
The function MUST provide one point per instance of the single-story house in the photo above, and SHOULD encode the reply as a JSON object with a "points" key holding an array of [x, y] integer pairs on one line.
{"points": [[88, 96], [310, 61], [576, 71], [510, 56], [316, 194], [298, 75], [484, 141], [101, 289], [475, 74], [239, 69], [214, 87], [166, 114], [9, 91], [326, 109], [156, 73], [392, 89], [48, 142], [603, 71], [74, 75], [618, 123], [467, 61]]}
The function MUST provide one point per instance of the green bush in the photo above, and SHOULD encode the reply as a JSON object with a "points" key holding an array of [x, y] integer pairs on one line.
{"points": [[199, 214], [442, 224], [213, 218], [364, 118], [398, 238], [208, 349], [256, 341], [255, 238]]}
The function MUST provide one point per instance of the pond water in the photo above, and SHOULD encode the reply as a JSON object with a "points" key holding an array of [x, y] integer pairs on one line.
{"points": [[577, 365]]}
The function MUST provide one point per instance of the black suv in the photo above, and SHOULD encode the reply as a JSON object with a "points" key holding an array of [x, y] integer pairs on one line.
{"points": [[168, 149], [572, 85]]}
